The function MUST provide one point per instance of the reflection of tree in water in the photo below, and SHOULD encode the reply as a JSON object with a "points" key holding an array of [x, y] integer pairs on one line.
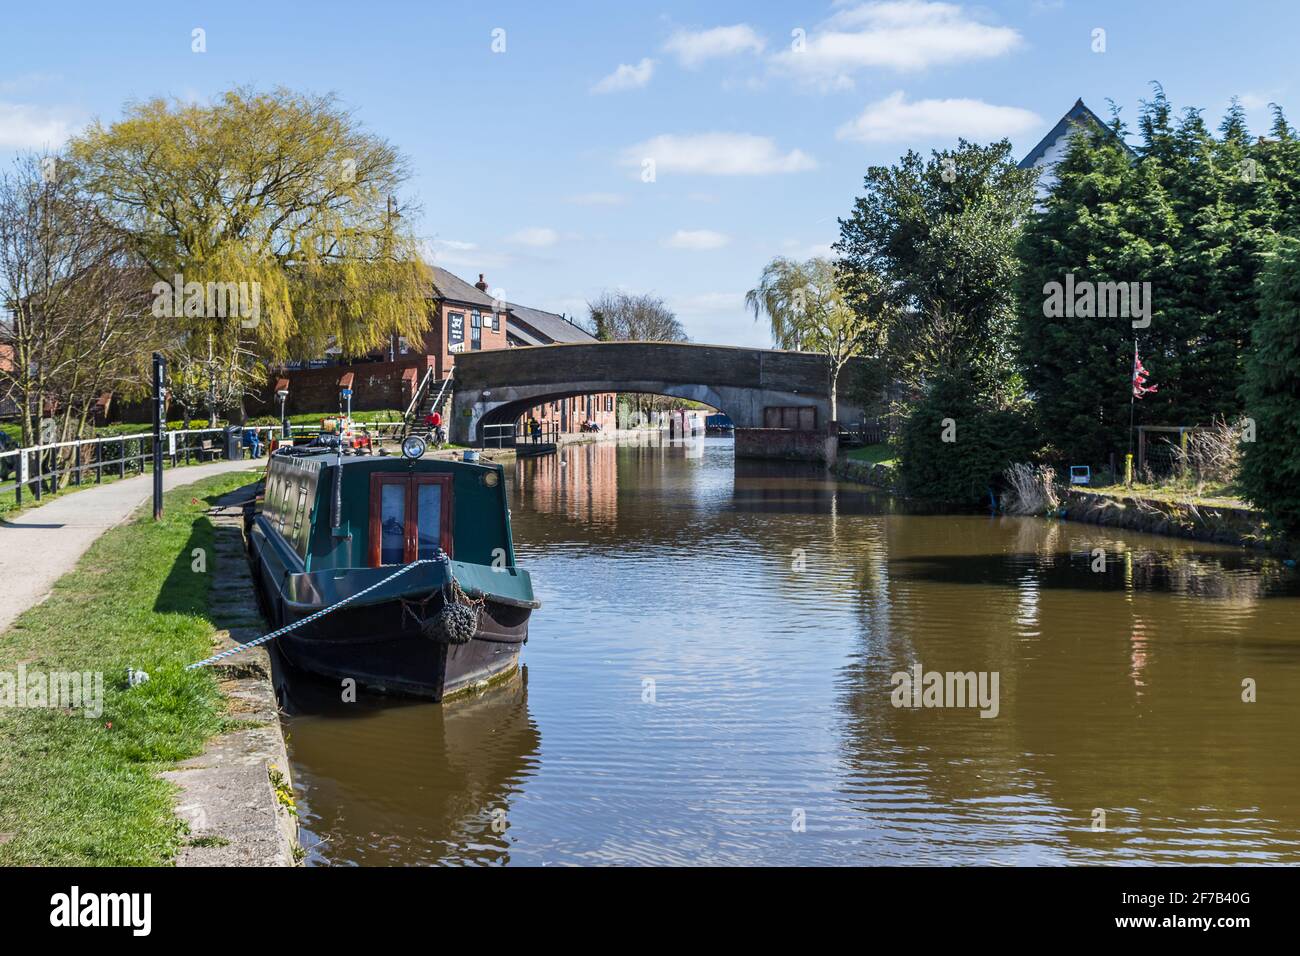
{"points": [[1119, 690], [390, 782]]}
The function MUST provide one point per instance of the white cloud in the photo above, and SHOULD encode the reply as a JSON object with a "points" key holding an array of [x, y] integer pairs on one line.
{"points": [[597, 199], [1258, 99], [457, 253], [894, 119], [696, 239], [901, 35], [538, 236], [30, 127], [693, 47], [627, 77], [718, 154]]}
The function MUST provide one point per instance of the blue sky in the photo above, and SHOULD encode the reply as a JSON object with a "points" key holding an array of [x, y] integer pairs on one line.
{"points": [[528, 161]]}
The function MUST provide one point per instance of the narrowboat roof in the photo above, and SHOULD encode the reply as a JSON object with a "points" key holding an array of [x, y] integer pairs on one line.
{"points": [[330, 456]]}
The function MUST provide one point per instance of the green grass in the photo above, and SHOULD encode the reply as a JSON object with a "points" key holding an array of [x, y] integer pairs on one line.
{"points": [[1209, 495], [79, 791], [881, 454], [314, 418]]}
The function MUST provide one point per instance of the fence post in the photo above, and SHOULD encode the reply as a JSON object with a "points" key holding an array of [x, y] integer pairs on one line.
{"points": [[159, 420]]}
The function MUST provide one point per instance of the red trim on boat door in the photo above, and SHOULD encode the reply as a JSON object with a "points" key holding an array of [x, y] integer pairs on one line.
{"points": [[410, 516]]}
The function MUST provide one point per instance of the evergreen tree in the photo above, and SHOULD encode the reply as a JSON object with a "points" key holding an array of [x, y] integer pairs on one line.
{"points": [[1270, 474], [1108, 220]]}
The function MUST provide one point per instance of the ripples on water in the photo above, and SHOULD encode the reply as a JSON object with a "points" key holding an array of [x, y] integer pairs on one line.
{"points": [[664, 571]]}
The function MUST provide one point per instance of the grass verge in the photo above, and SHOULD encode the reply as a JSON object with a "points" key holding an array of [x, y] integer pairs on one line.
{"points": [[1212, 496], [881, 454], [80, 791]]}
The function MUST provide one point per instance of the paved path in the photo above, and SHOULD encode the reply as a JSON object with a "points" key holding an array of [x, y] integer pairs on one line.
{"points": [[42, 544]]}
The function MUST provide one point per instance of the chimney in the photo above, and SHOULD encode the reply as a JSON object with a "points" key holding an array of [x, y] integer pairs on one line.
{"points": [[480, 284]]}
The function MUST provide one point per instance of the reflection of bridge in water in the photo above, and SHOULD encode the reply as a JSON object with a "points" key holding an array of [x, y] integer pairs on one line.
{"points": [[496, 387]]}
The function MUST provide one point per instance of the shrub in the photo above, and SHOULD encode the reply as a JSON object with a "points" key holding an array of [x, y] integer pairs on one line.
{"points": [[1270, 472], [1030, 490], [985, 440]]}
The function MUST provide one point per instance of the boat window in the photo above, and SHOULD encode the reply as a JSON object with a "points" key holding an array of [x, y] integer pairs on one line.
{"points": [[429, 517], [299, 513], [392, 523], [283, 510], [268, 496]]}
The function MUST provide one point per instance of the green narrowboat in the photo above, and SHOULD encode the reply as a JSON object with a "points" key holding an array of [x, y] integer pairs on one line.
{"points": [[415, 553]]}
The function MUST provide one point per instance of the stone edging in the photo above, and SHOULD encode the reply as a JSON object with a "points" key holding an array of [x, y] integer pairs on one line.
{"points": [[868, 473], [237, 796], [1226, 525]]}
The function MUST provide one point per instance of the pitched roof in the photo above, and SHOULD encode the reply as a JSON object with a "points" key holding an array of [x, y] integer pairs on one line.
{"points": [[1078, 114], [537, 327], [457, 289]]}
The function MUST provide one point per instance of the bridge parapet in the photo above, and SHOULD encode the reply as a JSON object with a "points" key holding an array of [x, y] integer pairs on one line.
{"points": [[499, 385]]}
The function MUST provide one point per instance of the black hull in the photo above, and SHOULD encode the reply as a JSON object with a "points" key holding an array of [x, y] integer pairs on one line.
{"points": [[382, 648]]}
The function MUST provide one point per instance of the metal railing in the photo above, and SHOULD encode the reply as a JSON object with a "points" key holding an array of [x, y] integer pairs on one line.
{"points": [[38, 469], [419, 390], [499, 436], [516, 433]]}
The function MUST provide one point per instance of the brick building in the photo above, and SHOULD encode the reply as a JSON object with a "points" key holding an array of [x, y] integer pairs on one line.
{"points": [[462, 317]]}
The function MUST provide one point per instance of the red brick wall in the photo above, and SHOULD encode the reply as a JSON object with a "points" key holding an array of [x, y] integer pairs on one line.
{"points": [[574, 411], [375, 386], [435, 340]]}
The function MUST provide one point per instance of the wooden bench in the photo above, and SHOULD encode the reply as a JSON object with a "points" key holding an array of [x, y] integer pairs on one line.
{"points": [[208, 450]]}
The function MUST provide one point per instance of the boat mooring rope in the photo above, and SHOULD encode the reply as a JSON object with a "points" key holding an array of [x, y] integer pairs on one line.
{"points": [[311, 617]]}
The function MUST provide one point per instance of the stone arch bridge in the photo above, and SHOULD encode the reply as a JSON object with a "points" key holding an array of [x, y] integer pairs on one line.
{"points": [[496, 387]]}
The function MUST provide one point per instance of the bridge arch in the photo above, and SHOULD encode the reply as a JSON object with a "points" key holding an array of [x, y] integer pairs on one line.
{"points": [[495, 387], [510, 410]]}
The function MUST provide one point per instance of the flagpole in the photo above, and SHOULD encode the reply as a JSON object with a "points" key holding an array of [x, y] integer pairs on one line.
{"points": [[1132, 401]]}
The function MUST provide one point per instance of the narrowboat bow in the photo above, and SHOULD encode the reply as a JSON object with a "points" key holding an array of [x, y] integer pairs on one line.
{"points": [[331, 526]]}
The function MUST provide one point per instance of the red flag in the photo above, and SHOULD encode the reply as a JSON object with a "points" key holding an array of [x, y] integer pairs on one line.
{"points": [[1140, 386]]}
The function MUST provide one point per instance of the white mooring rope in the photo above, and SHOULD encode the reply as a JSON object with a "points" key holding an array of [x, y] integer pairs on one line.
{"points": [[311, 617]]}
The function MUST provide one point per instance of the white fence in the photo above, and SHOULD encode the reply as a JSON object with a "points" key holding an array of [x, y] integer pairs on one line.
{"points": [[37, 469]]}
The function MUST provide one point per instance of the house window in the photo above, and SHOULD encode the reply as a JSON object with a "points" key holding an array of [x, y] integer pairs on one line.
{"points": [[496, 322], [475, 330], [609, 403]]}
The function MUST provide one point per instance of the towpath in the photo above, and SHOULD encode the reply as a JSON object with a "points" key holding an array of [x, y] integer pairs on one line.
{"points": [[40, 545]]}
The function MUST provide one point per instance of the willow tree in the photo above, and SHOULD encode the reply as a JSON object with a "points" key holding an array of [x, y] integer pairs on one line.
{"points": [[807, 309], [282, 196]]}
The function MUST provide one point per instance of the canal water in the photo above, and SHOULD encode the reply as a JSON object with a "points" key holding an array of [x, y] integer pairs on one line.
{"points": [[711, 679]]}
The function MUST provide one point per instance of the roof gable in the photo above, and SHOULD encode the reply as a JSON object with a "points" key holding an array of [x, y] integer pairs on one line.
{"points": [[455, 289], [536, 324], [1079, 114]]}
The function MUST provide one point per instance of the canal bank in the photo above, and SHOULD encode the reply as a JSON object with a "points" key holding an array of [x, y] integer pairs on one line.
{"points": [[1174, 517], [85, 761]]}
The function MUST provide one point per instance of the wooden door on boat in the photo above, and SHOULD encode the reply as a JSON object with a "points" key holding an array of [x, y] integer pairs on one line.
{"points": [[410, 517]]}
